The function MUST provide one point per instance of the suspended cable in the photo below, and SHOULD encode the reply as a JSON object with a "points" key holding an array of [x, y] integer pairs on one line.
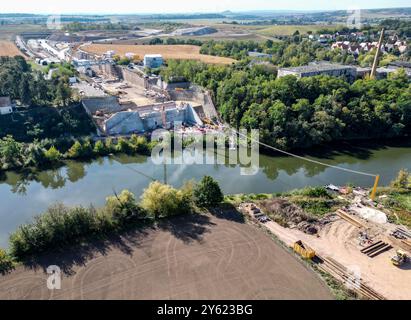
{"points": [[306, 159]]}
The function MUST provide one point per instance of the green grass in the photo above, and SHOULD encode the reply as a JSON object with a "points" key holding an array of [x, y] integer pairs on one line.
{"points": [[398, 201], [286, 30], [313, 200], [36, 66]]}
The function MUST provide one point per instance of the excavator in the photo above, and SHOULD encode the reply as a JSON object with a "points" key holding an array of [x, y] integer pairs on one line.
{"points": [[399, 259]]}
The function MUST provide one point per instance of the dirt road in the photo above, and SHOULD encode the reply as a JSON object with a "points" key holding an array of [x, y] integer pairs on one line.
{"points": [[191, 257]]}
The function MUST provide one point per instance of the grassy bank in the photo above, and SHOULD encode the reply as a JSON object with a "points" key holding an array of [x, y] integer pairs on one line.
{"points": [[47, 153], [315, 201]]}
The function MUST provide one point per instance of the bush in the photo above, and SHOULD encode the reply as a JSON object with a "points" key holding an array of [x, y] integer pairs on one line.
{"points": [[124, 146], [60, 225], [80, 150], [403, 180], [6, 262], [139, 144], [110, 145], [100, 149], [161, 200], [52, 155], [124, 208], [57, 227], [208, 193], [315, 192]]}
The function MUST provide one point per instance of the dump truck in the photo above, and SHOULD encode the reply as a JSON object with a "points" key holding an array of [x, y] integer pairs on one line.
{"points": [[303, 250]]}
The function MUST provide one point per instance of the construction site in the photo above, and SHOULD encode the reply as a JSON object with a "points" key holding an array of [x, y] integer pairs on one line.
{"points": [[355, 244]]}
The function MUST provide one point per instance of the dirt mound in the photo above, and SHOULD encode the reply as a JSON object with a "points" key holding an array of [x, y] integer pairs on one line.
{"points": [[290, 215]]}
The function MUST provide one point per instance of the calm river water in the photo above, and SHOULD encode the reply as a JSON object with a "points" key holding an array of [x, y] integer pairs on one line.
{"points": [[23, 196]]}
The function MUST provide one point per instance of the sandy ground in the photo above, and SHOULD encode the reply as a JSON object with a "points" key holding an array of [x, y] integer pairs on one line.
{"points": [[338, 240], [8, 48], [182, 52], [192, 257], [132, 93]]}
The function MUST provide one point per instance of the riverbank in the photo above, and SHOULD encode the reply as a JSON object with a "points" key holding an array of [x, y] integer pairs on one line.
{"points": [[83, 183], [45, 154]]}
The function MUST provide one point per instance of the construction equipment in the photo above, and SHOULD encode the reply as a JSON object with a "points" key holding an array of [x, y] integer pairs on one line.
{"points": [[303, 250], [377, 56], [374, 189], [400, 258]]}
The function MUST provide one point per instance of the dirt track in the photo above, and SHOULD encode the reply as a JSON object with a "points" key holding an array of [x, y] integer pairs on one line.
{"points": [[193, 257]]}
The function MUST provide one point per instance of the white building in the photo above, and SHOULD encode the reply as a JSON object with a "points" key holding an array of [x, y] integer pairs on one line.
{"points": [[5, 106], [153, 60], [319, 68]]}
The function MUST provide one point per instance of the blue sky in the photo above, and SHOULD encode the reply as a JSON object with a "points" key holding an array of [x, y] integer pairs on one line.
{"points": [[172, 6]]}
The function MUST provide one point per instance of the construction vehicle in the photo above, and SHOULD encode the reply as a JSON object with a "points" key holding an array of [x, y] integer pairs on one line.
{"points": [[399, 259], [303, 250]]}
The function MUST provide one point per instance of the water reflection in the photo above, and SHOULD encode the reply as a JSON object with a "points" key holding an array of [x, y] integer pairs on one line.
{"points": [[273, 168]]}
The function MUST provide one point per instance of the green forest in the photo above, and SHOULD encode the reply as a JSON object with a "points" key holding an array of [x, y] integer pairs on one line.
{"points": [[296, 113], [46, 107]]}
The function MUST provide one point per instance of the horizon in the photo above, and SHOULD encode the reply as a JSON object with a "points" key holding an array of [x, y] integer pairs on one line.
{"points": [[129, 7]]}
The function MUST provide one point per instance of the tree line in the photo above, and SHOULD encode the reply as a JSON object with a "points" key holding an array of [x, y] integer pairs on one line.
{"points": [[42, 153], [20, 82], [300, 113]]}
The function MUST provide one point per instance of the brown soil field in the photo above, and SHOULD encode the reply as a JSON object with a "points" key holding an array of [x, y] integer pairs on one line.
{"points": [[189, 257], [8, 48], [181, 52]]}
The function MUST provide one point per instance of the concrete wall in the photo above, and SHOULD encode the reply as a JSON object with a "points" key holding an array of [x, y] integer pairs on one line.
{"points": [[127, 122], [133, 77], [192, 117], [106, 69], [105, 104], [124, 123], [199, 96]]}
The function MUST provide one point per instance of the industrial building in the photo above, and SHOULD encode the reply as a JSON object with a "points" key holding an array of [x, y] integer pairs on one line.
{"points": [[153, 60], [149, 118], [315, 69], [112, 118], [255, 54]]}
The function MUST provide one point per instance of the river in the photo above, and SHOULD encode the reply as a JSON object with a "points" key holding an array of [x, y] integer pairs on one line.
{"points": [[23, 196]]}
